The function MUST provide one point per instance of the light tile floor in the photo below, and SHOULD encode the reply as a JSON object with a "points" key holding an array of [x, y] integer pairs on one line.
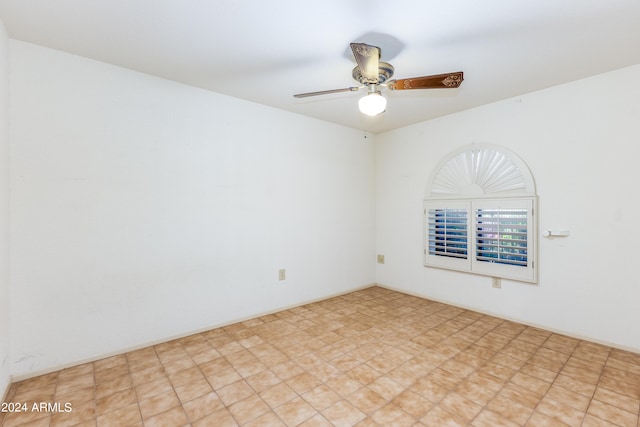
{"points": [[374, 357]]}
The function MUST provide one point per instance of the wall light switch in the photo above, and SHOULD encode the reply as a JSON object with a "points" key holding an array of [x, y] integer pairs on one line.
{"points": [[282, 274], [380, 259], [496, 282]]}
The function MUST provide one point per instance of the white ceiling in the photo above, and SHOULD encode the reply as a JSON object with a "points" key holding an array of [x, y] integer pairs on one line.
{"points": [[265, 51]]}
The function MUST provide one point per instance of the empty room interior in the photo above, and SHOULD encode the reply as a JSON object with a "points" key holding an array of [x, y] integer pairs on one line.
{"points": [[184, 242]]}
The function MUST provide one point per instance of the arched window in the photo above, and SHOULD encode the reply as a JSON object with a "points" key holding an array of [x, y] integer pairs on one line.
{"points": [[479, 214]]}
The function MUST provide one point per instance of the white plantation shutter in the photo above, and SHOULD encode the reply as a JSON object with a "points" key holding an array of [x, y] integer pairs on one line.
{"points": [[479, 214], [447, 241], [504, 238], [448, 232], [501, 236]]}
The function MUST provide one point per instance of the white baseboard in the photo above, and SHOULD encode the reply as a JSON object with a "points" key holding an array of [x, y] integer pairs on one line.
{"points": [[101, 356], [23, 377], [533, 325]]}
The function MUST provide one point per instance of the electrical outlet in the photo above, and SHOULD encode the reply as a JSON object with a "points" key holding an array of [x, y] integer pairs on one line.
{"points": [[380, 259], [496, 282], [282, 274]]}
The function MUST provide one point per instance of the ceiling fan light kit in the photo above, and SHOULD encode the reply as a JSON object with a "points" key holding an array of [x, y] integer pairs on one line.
{"points": [[373, 73], [373, 103]]}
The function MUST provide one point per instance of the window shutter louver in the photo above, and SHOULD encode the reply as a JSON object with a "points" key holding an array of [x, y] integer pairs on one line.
{"points": [[501, 236], [447, 235]]}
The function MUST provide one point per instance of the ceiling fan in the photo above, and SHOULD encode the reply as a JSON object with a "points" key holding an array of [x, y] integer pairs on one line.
{"points": [[373, 74]]}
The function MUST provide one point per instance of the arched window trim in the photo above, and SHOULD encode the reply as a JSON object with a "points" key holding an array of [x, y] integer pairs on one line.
{"points": [[481, 170]]}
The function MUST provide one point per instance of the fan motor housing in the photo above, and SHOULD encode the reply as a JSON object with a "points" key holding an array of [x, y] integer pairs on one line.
{"points": [[385, 72]]}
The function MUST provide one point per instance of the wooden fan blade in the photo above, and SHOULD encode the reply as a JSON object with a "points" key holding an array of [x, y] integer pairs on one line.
{"points": [[368, 58], [326, 92], [448, 80]]}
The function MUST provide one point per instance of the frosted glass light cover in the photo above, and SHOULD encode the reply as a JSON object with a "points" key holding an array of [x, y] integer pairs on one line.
{"points": [[372, 104]]}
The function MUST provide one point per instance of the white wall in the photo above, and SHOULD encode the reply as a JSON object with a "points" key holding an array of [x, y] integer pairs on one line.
{"points": [[145, 209], [582, 144], [4, 213]]}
